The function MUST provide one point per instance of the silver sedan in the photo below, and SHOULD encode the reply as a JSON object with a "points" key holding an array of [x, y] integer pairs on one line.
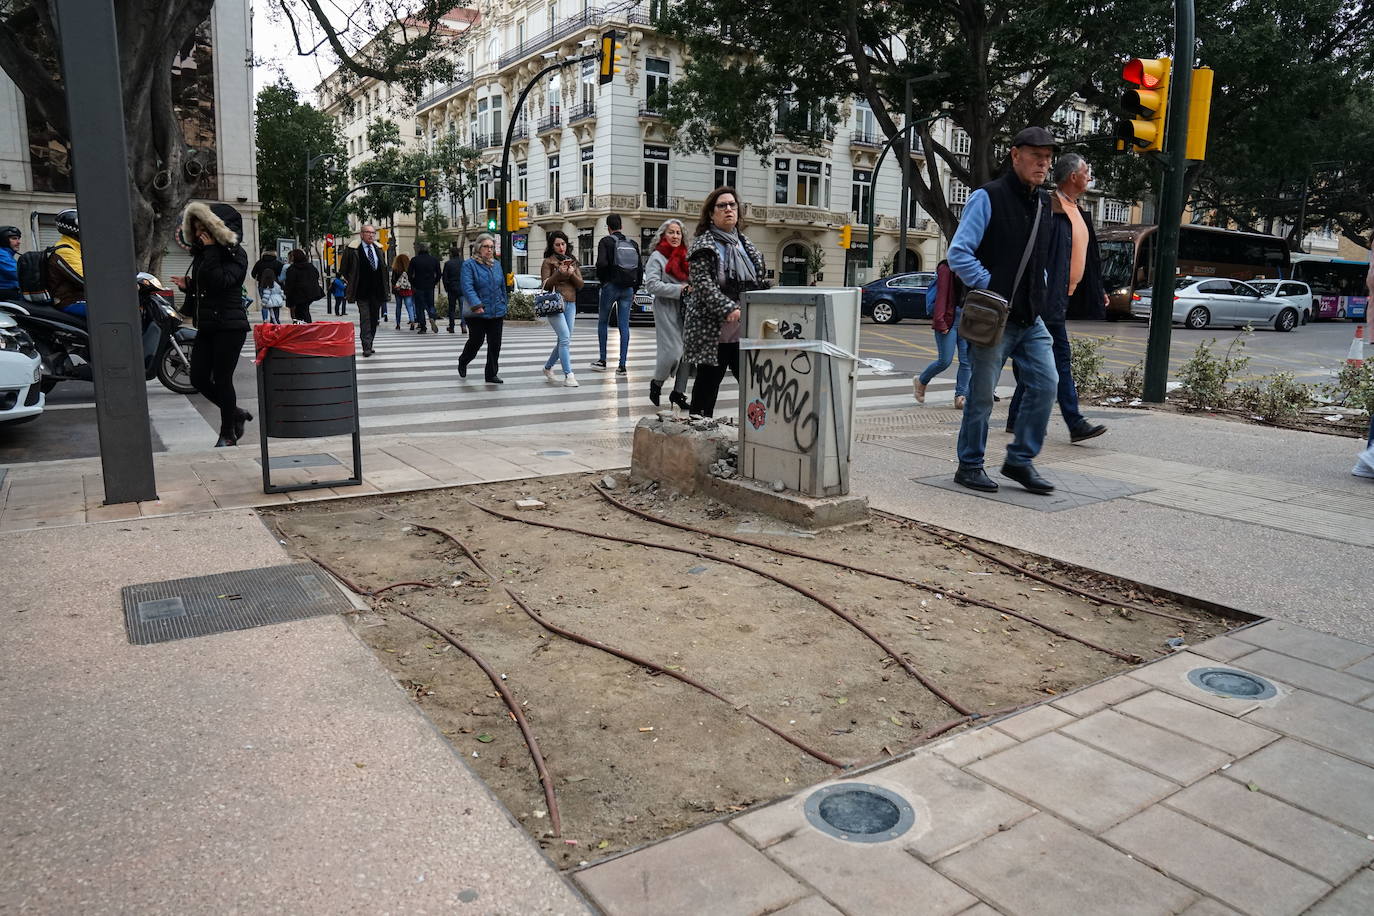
{"points": [[1201, 302]]}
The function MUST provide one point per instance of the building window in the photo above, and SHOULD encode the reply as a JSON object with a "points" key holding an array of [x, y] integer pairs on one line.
{"points": [[958, 192], [727, 170], [498, 127], [589, 82], [861, 195], [959, 142], [588, 171], [586, 246], [865, 124], [522, 182], [554, 184], [1115, 211], [1072, 119], [808, 184], [656, 177], [782, 174], [655, 80], [519, 32], [553, 14]]}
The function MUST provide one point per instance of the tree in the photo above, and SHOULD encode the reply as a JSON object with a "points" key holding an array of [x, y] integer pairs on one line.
{"points": [[289, 135], [393, 167], [455, 174]]}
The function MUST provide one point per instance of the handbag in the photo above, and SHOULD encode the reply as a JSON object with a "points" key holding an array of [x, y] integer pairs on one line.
{"points": [[547, 303], [985, 312]]}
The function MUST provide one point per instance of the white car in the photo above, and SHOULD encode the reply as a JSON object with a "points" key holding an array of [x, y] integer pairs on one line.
{"points": [[21, 374], [528, 283], [1201, 302], [1295, 291]]}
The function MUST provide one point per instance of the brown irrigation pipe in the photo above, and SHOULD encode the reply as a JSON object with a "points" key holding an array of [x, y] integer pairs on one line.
{"points": [[1129, 657], [555, 820], [799, 589], [620, 653], [1029, 573]]}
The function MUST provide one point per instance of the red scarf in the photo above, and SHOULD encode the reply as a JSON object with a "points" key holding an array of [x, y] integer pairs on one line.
{"points": [[677, 260]]}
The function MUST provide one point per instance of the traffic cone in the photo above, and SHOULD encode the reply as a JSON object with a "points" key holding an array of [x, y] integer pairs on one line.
{"points": [[1356, 355]]}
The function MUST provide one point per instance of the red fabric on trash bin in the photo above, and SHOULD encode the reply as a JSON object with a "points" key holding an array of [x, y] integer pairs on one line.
{"points": [[321, 338]]}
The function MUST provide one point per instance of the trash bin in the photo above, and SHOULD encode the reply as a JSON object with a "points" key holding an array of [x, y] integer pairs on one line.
{"points": [[307, 388]]}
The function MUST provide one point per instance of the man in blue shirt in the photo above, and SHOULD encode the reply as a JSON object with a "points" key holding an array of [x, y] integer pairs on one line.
{"points": [[999, 221], [10, 240]]}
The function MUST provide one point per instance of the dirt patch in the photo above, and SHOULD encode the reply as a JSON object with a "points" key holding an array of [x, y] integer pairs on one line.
{"points": [[1348, 426], [637, 755]]}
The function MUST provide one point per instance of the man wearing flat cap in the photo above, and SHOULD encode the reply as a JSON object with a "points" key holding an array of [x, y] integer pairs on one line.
{"points": [[998, 247]]}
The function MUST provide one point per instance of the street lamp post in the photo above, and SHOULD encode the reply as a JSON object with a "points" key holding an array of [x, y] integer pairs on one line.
{"points": [[906, 167], [872, 208], [309, 164]]}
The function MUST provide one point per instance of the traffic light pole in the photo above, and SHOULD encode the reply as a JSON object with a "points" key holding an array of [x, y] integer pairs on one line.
{"points": [[1170, 204], [503, 183], [872, 199]]}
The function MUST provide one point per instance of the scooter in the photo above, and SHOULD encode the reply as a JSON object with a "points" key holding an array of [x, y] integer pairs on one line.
{"points": [[65, 348]]}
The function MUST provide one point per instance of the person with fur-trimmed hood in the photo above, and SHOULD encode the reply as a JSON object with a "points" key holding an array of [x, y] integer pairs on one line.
{"points": [[214, 293]]}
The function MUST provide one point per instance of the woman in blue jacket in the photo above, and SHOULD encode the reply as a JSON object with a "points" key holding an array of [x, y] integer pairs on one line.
{"points": [[484, 307]]}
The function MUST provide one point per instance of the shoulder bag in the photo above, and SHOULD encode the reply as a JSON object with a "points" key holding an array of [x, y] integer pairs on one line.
{"points": [[547, 303], [985, 312]]}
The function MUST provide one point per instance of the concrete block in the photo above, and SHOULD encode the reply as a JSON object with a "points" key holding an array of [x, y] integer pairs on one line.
{"points": [[705, 871], [869, 878], [1299, 838], [768, 825], [1326, 723], [1105, 693], [954, 809], [789, 506], [1170, 755], [1337, 789], [1354, 898], [1043, 867], [1236, 737], [1308, 645], [1073, 780], [1236, 874], [1316, 678], [1222, 648], [967, 747], [1035, 721], [677, 455], [811, 906], [1208, 907]]}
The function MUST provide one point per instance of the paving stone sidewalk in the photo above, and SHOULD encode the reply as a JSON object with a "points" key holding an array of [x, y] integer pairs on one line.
{"points": [[1140, 795]]}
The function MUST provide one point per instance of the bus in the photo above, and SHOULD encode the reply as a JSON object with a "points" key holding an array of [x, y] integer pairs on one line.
{"points": [[1338, 289], [1128, 259]]}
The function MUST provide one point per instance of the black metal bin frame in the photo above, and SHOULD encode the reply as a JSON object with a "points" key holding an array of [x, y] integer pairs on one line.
{"points": [[322, 400]]}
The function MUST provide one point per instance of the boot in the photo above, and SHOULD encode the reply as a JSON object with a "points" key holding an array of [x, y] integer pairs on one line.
{"points": [[434, 326]]}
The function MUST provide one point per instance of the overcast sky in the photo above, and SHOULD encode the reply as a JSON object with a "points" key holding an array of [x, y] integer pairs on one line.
{"points": [[275, 52]]}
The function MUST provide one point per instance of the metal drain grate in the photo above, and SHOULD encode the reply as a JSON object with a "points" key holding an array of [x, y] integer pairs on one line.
{"points": [[181, 608], [859, 812], [1233, 684]]}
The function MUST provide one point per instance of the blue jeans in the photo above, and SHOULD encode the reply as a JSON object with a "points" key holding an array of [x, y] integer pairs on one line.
{"points": [[424, 304], [945, 344], [1031, 349], [562, 326], [409, 303], [1068, 393], [621, 297]]}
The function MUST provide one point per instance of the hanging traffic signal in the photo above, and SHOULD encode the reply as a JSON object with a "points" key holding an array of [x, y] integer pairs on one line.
{"points": [[1149, 102], [846, 235], [517, 215], [384, 239], [493, 216], [1199, 113], [422, 187], [609, 59]]}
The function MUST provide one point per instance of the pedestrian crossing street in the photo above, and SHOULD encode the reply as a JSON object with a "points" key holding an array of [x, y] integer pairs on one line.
{"points": [[411, 384]]}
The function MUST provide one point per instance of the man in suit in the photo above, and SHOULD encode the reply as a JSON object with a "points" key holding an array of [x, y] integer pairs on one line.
{"points": [[367, 278]]}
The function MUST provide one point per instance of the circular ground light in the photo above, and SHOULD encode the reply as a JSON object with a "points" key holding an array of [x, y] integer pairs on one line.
{"points": [[1233, 684], [554, 453], [859, 812]]}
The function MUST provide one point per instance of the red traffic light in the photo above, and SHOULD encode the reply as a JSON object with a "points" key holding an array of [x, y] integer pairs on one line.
{"points": [[1144, 72], [329, 238]]}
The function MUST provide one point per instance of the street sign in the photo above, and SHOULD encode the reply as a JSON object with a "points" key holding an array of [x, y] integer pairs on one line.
{"points": [[284, 247]]}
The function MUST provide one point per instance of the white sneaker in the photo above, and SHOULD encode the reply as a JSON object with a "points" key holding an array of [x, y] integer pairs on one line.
{"points": [[570, 381], [548, 374]]}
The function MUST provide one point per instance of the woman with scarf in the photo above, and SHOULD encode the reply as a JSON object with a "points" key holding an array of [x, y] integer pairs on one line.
{"points": [[484, 307], [665, 278], [214, 293], [561, 274], [722, 265]]}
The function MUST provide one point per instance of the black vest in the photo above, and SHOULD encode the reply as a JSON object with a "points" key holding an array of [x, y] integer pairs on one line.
{"points": [[1004, 241]]}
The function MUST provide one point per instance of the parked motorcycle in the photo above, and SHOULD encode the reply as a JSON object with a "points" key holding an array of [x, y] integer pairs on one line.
{"points": [[65, 347]]}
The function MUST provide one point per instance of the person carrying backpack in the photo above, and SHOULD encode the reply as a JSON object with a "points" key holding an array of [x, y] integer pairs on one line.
{"points": [[619, 269], [66, 275], [10, 239]]}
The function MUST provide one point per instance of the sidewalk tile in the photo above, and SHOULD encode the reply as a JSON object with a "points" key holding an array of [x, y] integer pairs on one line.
{"points": [[967, 747], [1222, 648], [1208, 907], [1337, 789], [1043, 867], [1226, 868], [1308, 645], [117, 512], [1236, 737], [1035, 721], [1281, 830], [1316, 678], [811, 906], [1073, 780], [250, 498], [1107, 693], [1354, 898], [12, 523], [1171, 674], [1170, 755], [705, 871], [870, 878], [768, 825], [958, 809], [981, 909], [1326, 723], [1364, 669]]}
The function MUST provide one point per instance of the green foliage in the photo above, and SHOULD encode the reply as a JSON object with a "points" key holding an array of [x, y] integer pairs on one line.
{"points": [[1275, 398], [1205, 377], [389, 164], [288, 134], [1354, 387], [520, 306], [1085, 364], [454, 167], [1132, 384], [434, 228]]}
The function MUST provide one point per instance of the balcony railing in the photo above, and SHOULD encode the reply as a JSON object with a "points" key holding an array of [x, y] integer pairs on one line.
{"points": [[649, 111], [796, 215], [487, 141], [581, 112], [522, 130], [551, 122], [957, 210], [545, 207], [442, 94], [864, 138], [591, 16]]}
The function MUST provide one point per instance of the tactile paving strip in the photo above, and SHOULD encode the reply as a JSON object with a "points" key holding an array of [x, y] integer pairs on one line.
{"points": [[181, 608]]}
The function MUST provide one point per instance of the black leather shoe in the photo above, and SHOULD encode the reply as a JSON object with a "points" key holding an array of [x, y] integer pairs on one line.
{"points": [[367, 353], [496, 381], [655, 392], [975, 479], [243, 417], [1028, 477], [1086, 431], [462, 371], [678, 399], [226, 440]]}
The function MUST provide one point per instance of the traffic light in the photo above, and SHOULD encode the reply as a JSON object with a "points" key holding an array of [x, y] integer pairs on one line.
{"points": [[517, 215], [609, 59], [329, 249], [846, 235], [1199, 113], [493, 217], [384, 238], [422, 187], [1149, 102]]}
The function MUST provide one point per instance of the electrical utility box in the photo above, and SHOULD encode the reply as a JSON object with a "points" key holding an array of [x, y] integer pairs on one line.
{"points": [[797, 387]]}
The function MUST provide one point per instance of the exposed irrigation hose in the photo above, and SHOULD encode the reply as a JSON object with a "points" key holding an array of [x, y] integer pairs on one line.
{"points": [[1029, 573], [555, 819], [799, 589], [620, 653], [1129, 657]]}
